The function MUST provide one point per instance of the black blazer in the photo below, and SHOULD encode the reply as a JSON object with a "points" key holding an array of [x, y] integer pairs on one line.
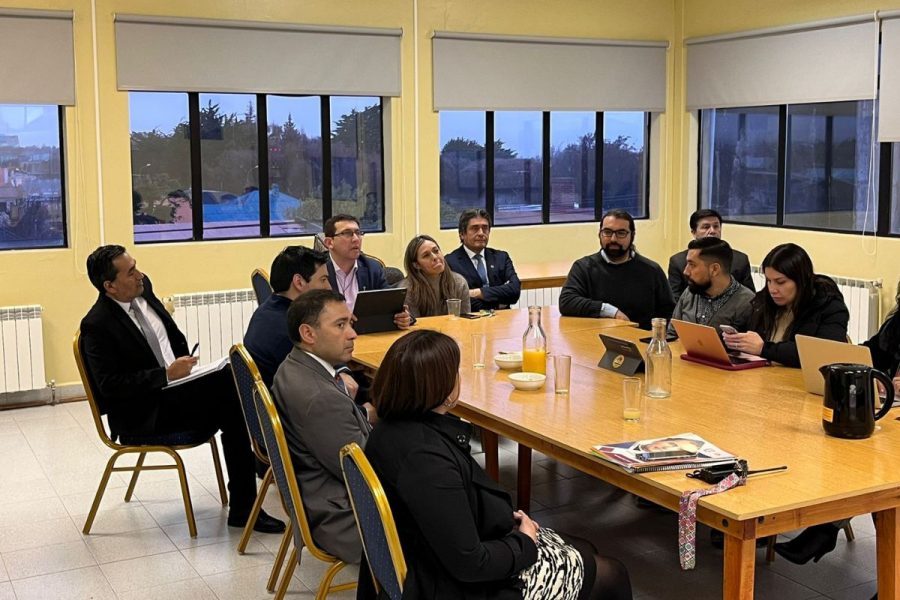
{"points": [[504, 288], [455, 523], [127, 378]]}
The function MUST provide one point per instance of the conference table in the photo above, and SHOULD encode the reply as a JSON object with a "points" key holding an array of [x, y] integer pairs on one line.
{"points": [[763, 415]]}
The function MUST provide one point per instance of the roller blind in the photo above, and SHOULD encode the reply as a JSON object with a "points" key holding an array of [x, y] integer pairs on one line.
{"points": [[816, 62], [889, 98], [37, 64], [174, 54], [489, 72]]}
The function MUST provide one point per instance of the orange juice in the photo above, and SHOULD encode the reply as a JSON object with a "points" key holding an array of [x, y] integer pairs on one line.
{"points": [[534, 361]]}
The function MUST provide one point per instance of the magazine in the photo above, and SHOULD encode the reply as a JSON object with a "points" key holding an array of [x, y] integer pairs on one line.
{"points": [[682, 451]]}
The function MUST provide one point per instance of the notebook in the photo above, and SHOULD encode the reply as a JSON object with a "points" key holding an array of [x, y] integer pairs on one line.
{"points": [[375, 309], [816, 352], [703, 345], [682, 451]]}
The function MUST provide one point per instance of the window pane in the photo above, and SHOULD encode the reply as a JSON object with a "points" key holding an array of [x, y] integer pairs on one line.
{"points": [[295, 165], [624, 162], [31, 200], [518, 170], [895, 188], [572, 166], [160, 167], [828, 159], [228, 163], [356, 160], [462, 164], [739, 163]]}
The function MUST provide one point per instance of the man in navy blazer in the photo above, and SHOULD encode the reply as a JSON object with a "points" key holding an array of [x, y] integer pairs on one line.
{"points": [[349, 270], [492, 279]]}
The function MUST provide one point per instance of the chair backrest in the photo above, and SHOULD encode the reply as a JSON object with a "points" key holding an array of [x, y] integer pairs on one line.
{"points": [[375, 521], [319, 242], [90, 391], [246, 374], [283, 470], [259, 279]]}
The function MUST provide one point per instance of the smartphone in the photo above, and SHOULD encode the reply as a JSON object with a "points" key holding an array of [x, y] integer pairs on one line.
{"points": [[728, 329], [470, 316], [667, 454]]}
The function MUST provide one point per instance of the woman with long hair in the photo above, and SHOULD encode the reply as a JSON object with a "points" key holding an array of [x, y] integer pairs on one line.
{"points": [[459, 532], [429, 282], [795, 301]]}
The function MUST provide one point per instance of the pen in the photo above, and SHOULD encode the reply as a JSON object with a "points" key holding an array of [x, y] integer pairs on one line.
{"points": [[197, 345]]}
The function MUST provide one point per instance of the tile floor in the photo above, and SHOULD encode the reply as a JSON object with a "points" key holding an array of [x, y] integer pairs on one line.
{"points": [[51, 461]]}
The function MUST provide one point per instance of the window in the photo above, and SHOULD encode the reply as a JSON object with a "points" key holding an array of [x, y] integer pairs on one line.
{"points": [[32, 192], [283, 180], [803, 165], [542, 167]]}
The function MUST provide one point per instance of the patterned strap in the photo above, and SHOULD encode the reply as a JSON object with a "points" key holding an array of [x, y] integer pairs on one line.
{"points": [[687, 518]]}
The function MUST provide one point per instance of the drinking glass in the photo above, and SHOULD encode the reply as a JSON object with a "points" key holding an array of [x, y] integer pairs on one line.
{"points": [[562, 369], [453, 306], [632, 399]]}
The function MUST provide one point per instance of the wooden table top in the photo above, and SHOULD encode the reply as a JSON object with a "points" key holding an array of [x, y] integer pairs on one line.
{"points": [[763, 415]]}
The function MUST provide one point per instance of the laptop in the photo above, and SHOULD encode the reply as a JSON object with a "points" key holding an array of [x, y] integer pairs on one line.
{"points": [[816, 352], [703, 345], [375, 309]]}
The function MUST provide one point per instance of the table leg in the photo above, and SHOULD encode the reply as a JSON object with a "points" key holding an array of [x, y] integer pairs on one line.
{"points": [[490, 443], [739, 565], [887, 546], [523, 478]]}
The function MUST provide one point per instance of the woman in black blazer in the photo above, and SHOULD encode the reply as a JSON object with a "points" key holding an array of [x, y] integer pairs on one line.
{"points": [[460, 535]]}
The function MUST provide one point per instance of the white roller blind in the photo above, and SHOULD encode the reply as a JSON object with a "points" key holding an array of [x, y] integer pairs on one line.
{"points": [[235, 56], [37, 64], [818, 62], [889, 97], [478, 72]]}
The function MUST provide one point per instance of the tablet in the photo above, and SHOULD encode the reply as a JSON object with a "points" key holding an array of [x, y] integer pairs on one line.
{"points": [[375, 309]]}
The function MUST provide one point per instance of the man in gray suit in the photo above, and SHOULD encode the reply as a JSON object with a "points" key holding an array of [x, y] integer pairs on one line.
{"points": [[319, 417]]}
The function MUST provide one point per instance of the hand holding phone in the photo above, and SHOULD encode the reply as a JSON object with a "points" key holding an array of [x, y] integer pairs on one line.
{"points": [[728, 329]]}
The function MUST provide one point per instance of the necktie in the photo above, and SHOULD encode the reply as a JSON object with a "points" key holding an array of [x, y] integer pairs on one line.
{"points": [[482, 273], [687, 518], [148, 332], [339, 382]]}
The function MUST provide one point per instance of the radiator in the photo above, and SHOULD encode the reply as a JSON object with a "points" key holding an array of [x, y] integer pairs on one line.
{"points": [[215, 320], [862, 297], [21, 349], [538, 297]]}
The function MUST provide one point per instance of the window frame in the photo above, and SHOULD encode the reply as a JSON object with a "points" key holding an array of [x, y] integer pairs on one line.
{"points": [[63, 195], [546, 191], [262, 128], [882, 153]]}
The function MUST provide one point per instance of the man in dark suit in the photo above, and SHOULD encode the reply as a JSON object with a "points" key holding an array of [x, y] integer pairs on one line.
{"points": [[349, 270], [320, 418], [707, 222], [492, 279], [133, 350]]}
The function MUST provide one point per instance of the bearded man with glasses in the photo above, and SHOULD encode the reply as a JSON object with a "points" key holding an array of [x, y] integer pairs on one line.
{"points": [[617, 282]]}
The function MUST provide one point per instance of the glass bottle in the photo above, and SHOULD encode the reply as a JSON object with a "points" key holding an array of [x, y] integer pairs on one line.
{"points": [[659, 363], [534, 344]]}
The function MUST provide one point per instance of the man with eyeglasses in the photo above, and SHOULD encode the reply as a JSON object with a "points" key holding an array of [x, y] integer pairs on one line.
{"points": [[617, 282], [349, 270], [707, 222], [490, 273]]}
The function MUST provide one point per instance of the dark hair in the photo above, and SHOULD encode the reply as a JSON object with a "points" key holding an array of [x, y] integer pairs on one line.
{"points": [[417, 374], [306, 309], [704, 213], [329, 227], [100, 268], [294, 260], [472, 213], [419, 292], [793, 262], [713, 250], [178, 194], [618, 213]]}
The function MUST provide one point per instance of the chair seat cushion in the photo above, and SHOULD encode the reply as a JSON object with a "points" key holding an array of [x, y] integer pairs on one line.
{"points": [[178, 438]]}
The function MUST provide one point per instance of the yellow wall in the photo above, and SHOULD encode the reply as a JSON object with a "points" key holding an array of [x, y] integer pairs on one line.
{"points": [[56, 278]]}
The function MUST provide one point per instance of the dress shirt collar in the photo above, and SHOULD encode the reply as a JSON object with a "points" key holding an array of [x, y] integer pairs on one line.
{"points": [[605, 258], [340, 272], [472, 254], [327, 366]]}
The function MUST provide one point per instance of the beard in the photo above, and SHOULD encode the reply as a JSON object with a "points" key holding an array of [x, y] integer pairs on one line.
{"points": [[614, 250], [699, 288]]}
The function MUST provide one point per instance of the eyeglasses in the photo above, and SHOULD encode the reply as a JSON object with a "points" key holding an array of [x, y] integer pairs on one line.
{"points": [[348, 234], [619, 233]]}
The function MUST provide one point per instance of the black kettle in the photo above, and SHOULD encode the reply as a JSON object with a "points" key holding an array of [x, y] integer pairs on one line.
{"points": [[849, 405]]}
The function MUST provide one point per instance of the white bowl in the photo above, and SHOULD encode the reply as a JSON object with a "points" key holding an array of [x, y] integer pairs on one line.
{"points": [[527, 381], [509, 361]]}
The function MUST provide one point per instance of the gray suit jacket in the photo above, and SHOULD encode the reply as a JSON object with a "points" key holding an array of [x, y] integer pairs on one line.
{"points": [[319, 419]]}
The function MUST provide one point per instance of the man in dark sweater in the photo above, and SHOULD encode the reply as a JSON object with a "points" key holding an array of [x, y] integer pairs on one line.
{"points": [[617, 282]]}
